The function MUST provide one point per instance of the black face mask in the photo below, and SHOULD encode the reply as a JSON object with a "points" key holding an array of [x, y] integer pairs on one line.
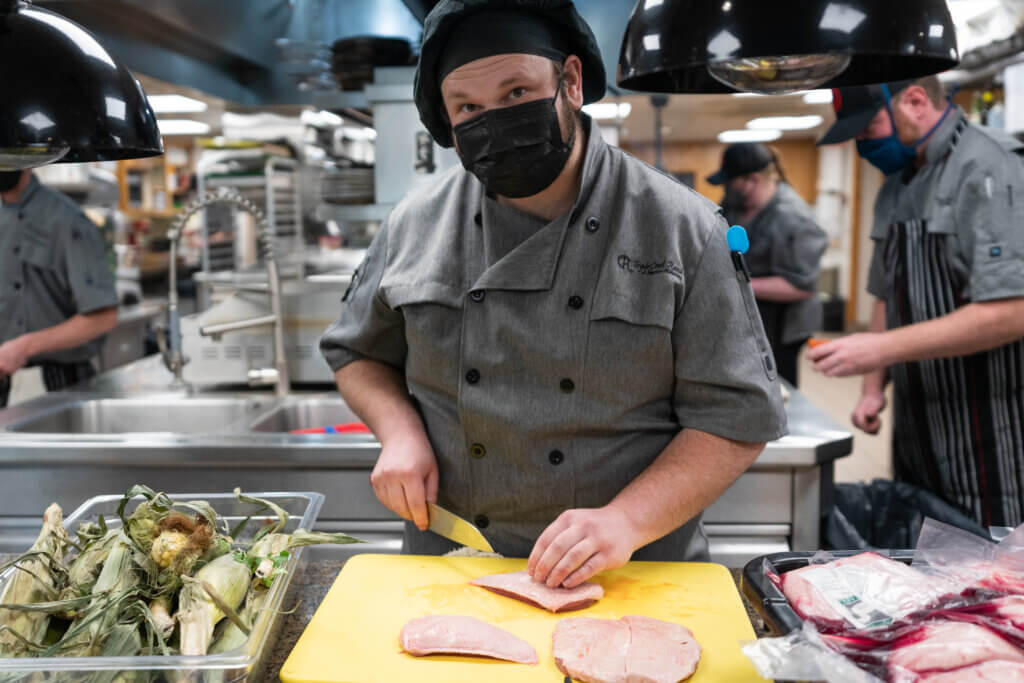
{"points": [[515, 151], [9, 180], [734, 204]]}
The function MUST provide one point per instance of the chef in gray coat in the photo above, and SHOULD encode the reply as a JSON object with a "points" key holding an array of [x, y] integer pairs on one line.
{"points": [[553, 341], [786, 246]]}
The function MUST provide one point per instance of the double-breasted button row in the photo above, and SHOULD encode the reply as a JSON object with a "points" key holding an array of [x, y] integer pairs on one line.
{"points": [[473, 376], [477, 451], [478, 295]]}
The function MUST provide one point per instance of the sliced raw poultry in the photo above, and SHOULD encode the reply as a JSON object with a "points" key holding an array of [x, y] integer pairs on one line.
{"points": [[947, 646], [633, 649], [862, 591], [521, 586], [659, 651], [989, 672], [460, 635]]}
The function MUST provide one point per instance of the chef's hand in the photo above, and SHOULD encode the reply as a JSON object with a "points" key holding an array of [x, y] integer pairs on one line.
{"points": [[405, 476], [13, 356], [580, 544], [866, 414], [857, 354]]}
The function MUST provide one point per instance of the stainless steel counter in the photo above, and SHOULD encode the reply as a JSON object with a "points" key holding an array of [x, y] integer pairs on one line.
{"points": [[126, 427]]}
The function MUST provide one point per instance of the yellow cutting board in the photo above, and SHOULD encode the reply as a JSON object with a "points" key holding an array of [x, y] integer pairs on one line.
{"points": [[353, 637]]}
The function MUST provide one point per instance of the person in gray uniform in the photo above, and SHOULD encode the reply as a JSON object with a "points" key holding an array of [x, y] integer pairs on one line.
{"points": [[57, 296], [948, 277], [553, 341], [786, 246]]}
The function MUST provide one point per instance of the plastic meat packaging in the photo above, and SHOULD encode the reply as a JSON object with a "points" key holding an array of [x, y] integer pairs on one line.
{"points": [[952, 610]]}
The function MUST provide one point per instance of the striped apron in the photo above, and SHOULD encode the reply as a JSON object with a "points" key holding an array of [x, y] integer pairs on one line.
{"points": [[958, 422]]}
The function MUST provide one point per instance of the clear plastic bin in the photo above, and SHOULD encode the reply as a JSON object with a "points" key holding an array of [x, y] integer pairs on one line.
{"points": [[245, 663]]}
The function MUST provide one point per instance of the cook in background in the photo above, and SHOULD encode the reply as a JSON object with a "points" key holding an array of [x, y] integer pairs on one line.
{"points": [[552, 341], [786, 246], [948, 274], [57, 296]]}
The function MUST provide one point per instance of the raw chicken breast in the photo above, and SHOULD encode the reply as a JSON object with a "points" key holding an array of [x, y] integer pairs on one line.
{"points": [[633, 649], [521, 586], [460, 635], [949, 645]]}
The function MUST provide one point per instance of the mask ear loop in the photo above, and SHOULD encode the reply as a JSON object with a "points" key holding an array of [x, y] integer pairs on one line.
{"points": [[888, 106]]}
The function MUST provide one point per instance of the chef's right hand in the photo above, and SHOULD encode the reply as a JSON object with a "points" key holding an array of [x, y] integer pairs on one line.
{"points": [[405, 476], [866, 414]]}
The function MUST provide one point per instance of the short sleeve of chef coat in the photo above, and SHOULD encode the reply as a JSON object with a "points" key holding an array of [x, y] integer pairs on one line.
{"points": [[367, 328], [990, 224], [724, 385]]}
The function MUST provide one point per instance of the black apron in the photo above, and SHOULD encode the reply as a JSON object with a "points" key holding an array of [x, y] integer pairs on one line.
{"points": [[957, 427]]}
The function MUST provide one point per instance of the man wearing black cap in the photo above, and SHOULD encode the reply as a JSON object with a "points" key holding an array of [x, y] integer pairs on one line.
{"points": [[948, 274], [786, 246], [552, 341]]}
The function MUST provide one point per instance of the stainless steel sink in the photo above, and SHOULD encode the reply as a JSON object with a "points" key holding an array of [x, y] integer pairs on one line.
{"points": [[307, 413], [192, 415]]}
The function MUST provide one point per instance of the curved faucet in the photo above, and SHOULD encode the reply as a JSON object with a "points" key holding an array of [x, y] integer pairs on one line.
{"points": [[172, 355]]}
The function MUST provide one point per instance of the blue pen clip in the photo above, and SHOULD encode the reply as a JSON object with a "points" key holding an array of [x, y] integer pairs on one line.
{"points": [[739, 244]]}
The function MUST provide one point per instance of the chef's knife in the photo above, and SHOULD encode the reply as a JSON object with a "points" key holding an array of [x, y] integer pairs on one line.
{"points": [[456, 529]]}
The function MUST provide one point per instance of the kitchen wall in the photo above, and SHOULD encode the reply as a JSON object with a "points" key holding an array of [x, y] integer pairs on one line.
{"points": [[799, 161]]}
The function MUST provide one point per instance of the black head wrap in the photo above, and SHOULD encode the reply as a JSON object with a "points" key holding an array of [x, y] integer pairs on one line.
{"points": [[501, 32]]}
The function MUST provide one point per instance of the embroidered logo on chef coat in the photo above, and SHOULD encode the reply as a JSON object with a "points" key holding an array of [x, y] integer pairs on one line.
{"points": [[649, 267]]}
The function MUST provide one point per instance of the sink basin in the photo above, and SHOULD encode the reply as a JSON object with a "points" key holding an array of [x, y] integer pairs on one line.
{"points": [[308, 413], [123, 416]]}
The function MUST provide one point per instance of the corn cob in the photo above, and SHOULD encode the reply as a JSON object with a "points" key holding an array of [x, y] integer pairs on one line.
{"points": [[32, 582], [198, 613]]}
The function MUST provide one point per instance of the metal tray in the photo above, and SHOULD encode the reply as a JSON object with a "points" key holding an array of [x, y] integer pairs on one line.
{"points": [[245, 663], [770, 603]]}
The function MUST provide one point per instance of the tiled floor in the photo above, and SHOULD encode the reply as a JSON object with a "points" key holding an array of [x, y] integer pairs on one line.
{"points": [[872, 455]]}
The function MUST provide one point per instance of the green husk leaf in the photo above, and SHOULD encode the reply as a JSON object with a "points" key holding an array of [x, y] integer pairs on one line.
{"points": [[282, 514]]}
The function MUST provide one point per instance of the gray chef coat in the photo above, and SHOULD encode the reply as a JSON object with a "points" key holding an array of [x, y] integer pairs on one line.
{"points": [[979, 204], [948, 234], [552, 376], [54, 267], [786, 241]]}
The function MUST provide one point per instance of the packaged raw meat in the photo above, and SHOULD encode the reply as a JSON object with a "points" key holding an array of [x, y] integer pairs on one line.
{"points": [[864, 591]]}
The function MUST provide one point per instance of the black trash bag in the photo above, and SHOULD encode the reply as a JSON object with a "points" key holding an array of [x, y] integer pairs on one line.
{"points": [[886, 514]]}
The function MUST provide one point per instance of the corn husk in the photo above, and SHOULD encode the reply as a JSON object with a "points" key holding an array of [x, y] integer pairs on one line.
{"points": [[86, 567], [198, 611], [160, 612], [32, 582]]}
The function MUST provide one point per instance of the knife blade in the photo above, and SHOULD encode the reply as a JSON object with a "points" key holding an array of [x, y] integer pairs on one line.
{"points": [[455, 528]]}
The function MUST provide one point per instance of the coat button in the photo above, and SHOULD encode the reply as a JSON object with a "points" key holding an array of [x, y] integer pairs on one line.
{"points": [[473, 376], [576, 302], [477, 295], [481, 521], [556, 457], [17, 250], [477, 451], [593, 224], [479, 220], [567, 385], [17, 285]]}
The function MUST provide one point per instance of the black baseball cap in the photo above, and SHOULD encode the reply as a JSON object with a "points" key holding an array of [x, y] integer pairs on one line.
{"points": [[855, 107], [741, 159]]}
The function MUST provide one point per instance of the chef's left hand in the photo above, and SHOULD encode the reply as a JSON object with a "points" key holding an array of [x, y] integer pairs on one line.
{"points": [[580, 544], [13, 356], [857, 354]]}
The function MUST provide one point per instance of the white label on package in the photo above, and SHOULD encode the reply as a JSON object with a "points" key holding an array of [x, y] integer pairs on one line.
{"points": [[845, 598]]}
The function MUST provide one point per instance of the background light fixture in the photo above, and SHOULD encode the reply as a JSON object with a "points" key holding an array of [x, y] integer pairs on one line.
{"points": [[176, 104], [602, 111], [786, 122], [65, 97], [783, 46], [732, 136], [183, 127]]}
